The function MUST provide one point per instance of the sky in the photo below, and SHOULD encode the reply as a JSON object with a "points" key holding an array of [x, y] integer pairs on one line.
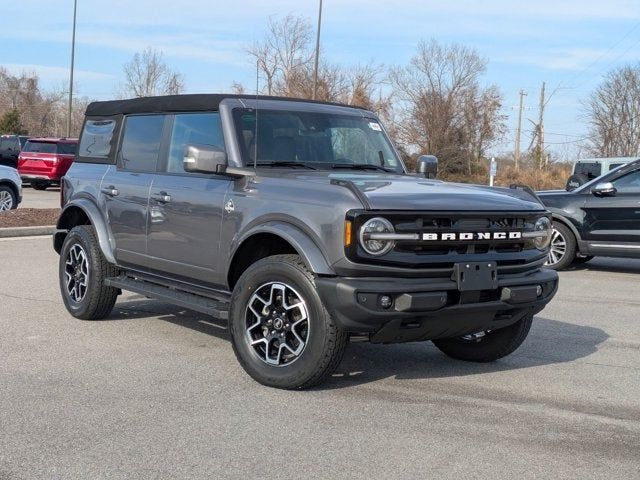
{"points": [[568, 44]]}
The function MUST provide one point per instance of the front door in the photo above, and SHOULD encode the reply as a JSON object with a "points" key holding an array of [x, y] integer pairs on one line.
{"points": [[185, 209], [125, 187], [613, 222]]}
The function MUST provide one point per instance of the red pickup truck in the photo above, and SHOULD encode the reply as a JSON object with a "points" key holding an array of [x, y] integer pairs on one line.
{"points": [[44, 161]]}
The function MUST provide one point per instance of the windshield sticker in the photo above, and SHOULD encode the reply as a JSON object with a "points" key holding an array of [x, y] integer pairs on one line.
{"points": [[375, 126]]}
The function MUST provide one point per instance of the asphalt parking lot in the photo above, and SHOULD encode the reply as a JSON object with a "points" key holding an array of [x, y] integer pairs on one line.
{"points": [[49, 198], [155, 392]]}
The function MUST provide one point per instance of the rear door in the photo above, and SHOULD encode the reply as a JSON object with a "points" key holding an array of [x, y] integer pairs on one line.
{"points": [[185, 209], [125, 187], [614, 222]]}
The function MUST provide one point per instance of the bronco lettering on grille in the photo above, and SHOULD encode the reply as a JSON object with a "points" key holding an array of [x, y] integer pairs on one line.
{"points": [[454, 236]]}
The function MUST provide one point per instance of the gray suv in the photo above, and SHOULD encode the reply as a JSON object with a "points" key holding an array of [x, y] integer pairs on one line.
{"points": [[298, 222]]}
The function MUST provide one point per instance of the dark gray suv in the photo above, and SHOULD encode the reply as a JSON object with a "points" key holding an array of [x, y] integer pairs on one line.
{"points": [[298, 222]]}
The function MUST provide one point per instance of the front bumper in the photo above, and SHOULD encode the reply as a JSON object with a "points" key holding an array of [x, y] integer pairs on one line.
{"points": [[429, 308]]}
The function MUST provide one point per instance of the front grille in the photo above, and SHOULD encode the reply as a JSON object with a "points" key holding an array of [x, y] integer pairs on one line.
{"points": [[439, 254]]}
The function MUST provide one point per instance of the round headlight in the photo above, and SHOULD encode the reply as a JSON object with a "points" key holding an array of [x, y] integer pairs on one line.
{"points": [[542, 226], [376, 246]]}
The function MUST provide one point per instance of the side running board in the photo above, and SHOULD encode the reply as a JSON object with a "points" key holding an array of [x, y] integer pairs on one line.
{"points": [[192, 301]]}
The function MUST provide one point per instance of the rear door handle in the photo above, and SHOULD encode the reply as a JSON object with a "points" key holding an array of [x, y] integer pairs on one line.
{"points": [[162, 197], [110, 191]]}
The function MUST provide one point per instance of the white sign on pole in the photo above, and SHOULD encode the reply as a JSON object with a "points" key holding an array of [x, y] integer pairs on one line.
{"points": [[493, 171]]}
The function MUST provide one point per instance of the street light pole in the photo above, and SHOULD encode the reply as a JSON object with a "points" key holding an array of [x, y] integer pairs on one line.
{"points": [[315, 66], [73, 51]]}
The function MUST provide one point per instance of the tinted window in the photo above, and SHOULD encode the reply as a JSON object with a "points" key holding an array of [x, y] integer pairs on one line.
{"points": [[96, 138], [591, 170], [614, 165], [67, 148], [9, 143], [141, 142], [193, 129], [630, 183], [40, 147]]}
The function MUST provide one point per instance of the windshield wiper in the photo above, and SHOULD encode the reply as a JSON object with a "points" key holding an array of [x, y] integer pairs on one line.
{"points": [[362, 166], [285, 164]]}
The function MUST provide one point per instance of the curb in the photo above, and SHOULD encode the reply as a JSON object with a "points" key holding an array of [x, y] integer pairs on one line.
{"points": [[27, 231]]}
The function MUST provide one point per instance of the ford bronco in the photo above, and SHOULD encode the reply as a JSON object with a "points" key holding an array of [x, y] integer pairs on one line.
{"points": [[298, 222]]}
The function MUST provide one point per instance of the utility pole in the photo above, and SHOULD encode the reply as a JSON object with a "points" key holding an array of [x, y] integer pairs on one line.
{"points": [[540, 157], [516, 149], [73, 51], [315, 65]]}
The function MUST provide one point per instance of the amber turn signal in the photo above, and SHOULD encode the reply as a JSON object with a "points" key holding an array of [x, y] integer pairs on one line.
{"points": [[348, 237]]}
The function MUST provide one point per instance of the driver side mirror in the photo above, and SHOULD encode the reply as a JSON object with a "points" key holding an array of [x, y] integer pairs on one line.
{"points": [[604, 189], [204, 159], [427, 165]]}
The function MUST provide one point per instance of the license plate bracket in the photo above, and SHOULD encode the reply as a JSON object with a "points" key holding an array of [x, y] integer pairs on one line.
{"points": [[473, 276]]}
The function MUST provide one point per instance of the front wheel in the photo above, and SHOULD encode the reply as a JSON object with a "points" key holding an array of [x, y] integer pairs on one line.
{"points": [[280, 331], [562, 249], [8, 200], [487, 346]]}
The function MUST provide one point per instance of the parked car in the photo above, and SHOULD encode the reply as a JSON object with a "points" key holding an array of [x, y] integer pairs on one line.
{"points": [[10, 147], [298, 222], [589, 168], [10, 188], [44, 161], [602, 217]]}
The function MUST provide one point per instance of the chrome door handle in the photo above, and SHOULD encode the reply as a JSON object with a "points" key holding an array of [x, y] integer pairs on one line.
{"points": [[110, 191], [162, 197]]}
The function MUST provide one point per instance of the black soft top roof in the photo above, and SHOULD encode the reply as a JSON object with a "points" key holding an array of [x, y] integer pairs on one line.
{"points": [[180, 103]]}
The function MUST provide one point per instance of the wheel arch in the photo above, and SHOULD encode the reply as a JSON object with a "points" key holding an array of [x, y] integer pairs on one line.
{"points": [[83, 212], [275, 238], [556, 217]]}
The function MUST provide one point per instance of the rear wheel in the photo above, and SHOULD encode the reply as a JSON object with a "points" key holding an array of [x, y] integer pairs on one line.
{"points": [[280, 331], [486, 346], [8, 200], [562, 249], [82, 271], [39, 185]]}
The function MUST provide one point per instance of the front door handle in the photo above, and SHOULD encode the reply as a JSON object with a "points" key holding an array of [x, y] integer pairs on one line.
{"points": [[110, 191], [162, 197]]}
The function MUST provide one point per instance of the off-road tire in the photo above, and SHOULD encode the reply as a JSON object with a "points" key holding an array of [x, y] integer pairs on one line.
{"points": [[493, 346], [575, 181], [325, 343], [99, 299]]}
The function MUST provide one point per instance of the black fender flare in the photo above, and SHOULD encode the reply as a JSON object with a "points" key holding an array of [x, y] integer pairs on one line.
{"points": [[311, 254], [93, 213]]}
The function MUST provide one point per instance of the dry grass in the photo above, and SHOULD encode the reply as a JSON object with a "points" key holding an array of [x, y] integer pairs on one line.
{"points": [[553, 177]]}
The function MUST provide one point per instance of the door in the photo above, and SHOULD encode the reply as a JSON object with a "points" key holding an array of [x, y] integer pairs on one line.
{"points": [[125, 187], [185, 209], [613, 222]]}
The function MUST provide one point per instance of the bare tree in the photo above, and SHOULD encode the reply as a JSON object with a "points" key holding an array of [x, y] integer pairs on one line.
{"points": [[147, 75], [444, 110], [613, 112]]}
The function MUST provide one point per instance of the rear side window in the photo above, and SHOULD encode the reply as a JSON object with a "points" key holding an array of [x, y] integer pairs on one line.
{"points": [[67, 148], [590, 170], [96, 138], [40, 147], [193, 129], [141, 142]]}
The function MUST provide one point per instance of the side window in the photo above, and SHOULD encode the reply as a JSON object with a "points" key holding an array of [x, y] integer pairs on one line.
{"points": [[96, 138], [630, 183], [193, 129], [141, 142]]}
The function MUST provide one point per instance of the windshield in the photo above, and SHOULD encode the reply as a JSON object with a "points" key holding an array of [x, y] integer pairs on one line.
{"points": [[314, 140]]}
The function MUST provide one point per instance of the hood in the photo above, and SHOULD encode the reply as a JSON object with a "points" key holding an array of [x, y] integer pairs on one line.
{"points": [[405, 192]]}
